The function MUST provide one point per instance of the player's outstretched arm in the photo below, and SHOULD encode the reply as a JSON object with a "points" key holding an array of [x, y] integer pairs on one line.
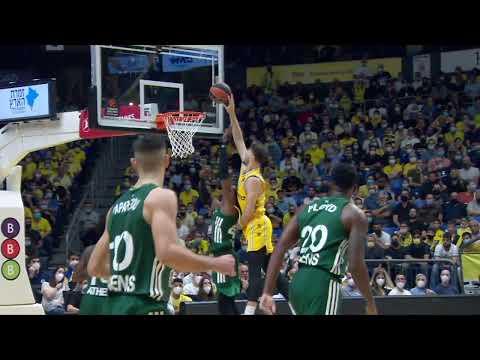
{"points": [[99, 263], [288, 239], [254, 189], [357, 222], [160, 211], [236, 130]]}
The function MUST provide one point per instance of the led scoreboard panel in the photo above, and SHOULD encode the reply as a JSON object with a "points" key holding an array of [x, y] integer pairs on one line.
{"points": [[27, 101]]}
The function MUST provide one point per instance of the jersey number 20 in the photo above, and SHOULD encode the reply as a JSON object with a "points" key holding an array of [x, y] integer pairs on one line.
{"points": [[312, 241]]}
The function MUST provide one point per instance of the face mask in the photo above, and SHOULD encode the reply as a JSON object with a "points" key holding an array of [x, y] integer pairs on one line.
{"points": [[177, 290], [37, 216], [400, 285], [445, 278], [198, 278], [36, 266], [59, 277], [452, 129], [403, 231], [350, 282], [355, 147], [73, 263], [270, 210], [318, 183], [421, 284], [380, 281], [307, 129], [400, 127], [384, 126], [391, 162], [188, 187], [416, 241], [431, 146], [207, 289], [413, 160]]}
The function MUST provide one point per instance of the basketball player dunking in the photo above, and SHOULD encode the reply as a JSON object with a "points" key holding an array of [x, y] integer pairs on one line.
{"points": [[139, 246], [251, 194]]}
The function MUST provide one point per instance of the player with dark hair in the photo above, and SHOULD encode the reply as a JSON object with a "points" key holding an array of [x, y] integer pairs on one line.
{"points": [[251, 193], [139, 246], [224, 219], [327, 228]]}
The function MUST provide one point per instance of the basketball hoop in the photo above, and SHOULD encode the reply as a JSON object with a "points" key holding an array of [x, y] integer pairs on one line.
{"points": [[181, 126]]}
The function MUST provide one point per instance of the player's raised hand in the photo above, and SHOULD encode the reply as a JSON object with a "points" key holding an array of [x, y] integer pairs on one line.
{"points": [[225, 264], [267, 304], [231, 105]]}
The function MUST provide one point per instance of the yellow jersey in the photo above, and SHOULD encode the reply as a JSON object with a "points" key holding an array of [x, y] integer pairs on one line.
{"points": [[242, 192], [258, 231]]}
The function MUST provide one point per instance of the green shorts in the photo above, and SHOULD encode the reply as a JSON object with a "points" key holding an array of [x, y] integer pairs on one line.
{"points": [[92, 305], [228, 285], [134, 305], [314, 291]]}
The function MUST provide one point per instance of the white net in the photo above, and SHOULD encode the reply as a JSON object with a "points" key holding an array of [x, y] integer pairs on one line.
{"points": [[180, 128]]}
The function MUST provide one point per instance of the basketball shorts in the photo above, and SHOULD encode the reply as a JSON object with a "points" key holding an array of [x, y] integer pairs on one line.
{"points": [[314, 291], [134, 305], [258, 234]]}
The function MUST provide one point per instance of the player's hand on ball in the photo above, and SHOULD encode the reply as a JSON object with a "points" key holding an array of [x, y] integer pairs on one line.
{"points": [[226, 265], [231, 105], [372, 308], [267, 304]]}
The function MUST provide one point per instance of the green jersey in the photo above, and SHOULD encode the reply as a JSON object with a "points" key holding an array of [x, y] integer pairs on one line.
{"points": [[94, 297], [135, 269], [223, 230], [323, 238]]}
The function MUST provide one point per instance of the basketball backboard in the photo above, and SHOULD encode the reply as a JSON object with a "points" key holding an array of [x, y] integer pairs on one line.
{"points": [[131, 84]]}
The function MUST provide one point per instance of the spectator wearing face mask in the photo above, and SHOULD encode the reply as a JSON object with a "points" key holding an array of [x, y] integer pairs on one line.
{"points": [[52, 292], [445, 287], [73, 261], [431, 210], [399, 289], [418, 249], [374, 251], [394, 169], [421, 286], [35, 273], [350, 288], [382, 237], [445, 251], [206, 291], [176, 295], [288, 216], [381, 283], [188, 193], [40, 224], [414, 222], [397, 252], [401, 211]]}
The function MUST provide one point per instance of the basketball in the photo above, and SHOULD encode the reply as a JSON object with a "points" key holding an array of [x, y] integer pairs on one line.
{"points": [[220, 93]]}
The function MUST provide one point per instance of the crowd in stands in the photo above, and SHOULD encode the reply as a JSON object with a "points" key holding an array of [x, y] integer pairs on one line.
{"points": [[416, 146], [51, 180]]}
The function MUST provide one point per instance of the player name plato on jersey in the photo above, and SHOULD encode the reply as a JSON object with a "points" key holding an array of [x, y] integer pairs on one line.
{"points": [[327, 207]]}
